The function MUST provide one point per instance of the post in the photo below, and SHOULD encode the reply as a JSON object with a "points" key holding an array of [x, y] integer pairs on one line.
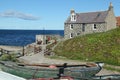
{"points": [[23, 51]]}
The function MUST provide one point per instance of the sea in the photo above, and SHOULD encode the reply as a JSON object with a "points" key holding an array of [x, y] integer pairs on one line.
{"points": [[24, 37]]}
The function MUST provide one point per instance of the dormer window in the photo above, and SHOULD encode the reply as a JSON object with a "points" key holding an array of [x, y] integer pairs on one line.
{"points": [[73, 15]]}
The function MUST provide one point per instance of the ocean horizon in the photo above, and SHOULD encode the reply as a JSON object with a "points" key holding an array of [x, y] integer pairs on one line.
{"points": [[15, 37]]}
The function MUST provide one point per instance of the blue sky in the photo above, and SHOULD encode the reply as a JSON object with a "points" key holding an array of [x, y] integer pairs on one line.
{"points": [[47, 14]]}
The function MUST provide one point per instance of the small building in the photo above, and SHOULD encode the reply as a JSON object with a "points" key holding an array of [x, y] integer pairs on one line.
{"points": [[45, 39], [91, 22], [118, 21], [41, 39]]}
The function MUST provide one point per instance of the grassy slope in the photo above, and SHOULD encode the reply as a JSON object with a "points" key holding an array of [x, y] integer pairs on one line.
{"points": [[93, 47]]}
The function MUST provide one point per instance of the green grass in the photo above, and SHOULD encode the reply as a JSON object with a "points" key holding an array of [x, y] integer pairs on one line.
{"points": [[111, 68], [103, 47], [8, 57]]}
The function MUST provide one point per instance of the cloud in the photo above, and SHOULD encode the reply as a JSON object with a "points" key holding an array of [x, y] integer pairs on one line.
{"points": [[20, 15]]}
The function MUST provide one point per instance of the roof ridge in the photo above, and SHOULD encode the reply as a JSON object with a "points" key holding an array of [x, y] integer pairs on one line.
{"points": [[92, 12]]}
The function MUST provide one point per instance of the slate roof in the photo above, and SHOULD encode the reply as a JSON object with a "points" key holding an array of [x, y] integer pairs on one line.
{"points": [[118, 21], [90, 17]]}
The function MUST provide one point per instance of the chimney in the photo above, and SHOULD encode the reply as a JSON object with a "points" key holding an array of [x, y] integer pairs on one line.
{"points": [[72, 11], [110, 7]]}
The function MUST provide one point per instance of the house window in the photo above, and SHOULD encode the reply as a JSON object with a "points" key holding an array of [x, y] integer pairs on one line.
{"points": [[71, 26], [73, 17], [83, 27], [71, 35], [94, 27]]}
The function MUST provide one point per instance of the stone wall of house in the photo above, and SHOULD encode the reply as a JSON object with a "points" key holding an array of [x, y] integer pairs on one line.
{"points": [[77, 29], [111, 20], [100, 27]]}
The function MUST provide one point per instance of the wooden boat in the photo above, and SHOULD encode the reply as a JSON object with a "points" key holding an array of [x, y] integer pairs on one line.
{"points": [[58, 71]]}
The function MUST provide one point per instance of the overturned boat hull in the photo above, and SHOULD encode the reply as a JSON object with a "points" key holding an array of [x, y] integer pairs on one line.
{"points": [[46, 72]]}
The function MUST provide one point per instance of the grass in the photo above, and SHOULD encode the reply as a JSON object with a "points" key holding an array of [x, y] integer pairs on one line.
{"points": [[111, 68], [103, 47], [8, 57]]}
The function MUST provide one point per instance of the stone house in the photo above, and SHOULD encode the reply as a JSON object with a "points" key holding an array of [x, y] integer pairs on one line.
{"points": [[91, 22]]}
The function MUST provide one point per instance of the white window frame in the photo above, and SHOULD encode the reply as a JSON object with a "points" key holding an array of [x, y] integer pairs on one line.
{"points": [[94, 25], [71, 35], [73, 17], [71, 26]]}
